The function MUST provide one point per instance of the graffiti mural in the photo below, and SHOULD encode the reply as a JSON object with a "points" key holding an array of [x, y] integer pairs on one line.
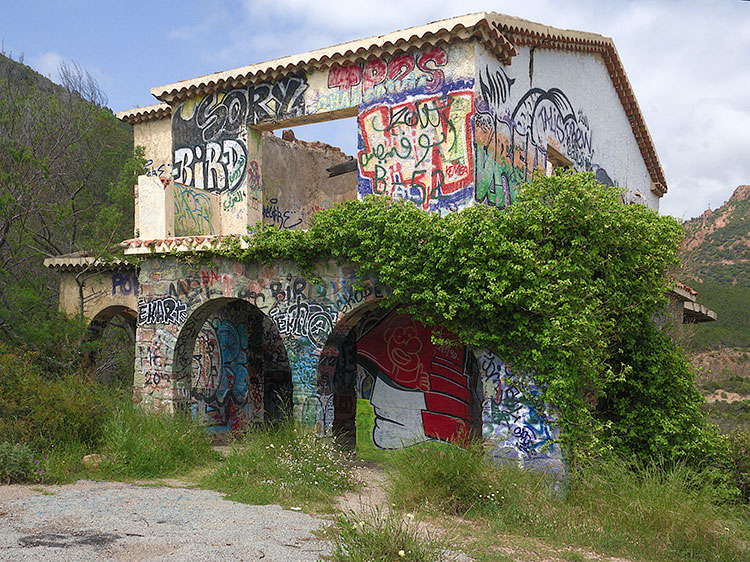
{"points": [[164, 310], [283, 219], [227, 378], [125, 283], [418, 391], [514, 140], [512, 419], [155, 357], [192, 211], [364, 83], [274, 101], [296, 314], [208, 139], [420, 150]]}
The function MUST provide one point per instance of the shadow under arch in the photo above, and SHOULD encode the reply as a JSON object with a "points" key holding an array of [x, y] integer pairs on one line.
{"points": [[337, 374], [384, 384], [109, 345], [230, 366]]}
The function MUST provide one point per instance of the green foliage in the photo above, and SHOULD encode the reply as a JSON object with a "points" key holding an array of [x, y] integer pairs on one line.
{"points": [[138, 444], [443, 477], [382, 537], [18, 463], [47, 411], [285, 464], [732, 305], [728, 382], [557, 284], [649, 511], [654, 410], [60, 152], [738, 462], [731, 417]]}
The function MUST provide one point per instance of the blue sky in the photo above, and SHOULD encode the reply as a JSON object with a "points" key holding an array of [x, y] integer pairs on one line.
{"points": [[687, 60]]}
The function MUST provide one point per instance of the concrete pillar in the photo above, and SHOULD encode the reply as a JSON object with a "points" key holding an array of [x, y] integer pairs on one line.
{"points": [[155, 209]]}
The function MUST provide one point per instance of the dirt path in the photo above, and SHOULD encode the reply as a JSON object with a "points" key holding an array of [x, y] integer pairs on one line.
{"points": [[126, 522]]}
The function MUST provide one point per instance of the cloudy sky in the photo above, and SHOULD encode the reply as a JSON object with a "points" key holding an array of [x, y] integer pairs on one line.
{"points": [[688, 60]]}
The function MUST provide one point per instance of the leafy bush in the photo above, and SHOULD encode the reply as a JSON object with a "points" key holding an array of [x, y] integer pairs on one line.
{"points": [[738, 462], [19, 464], [48, 411], [137, 444], [285, 464], [653, 409]]}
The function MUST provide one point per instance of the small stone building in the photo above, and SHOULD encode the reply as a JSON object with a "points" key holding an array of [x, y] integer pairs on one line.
{"points": [[451, 114]]}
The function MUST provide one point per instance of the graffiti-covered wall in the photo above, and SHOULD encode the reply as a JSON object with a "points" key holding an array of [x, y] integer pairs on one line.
{"points": [[546, 105], [404, 388], [193, 320], [416, 138], [519, 427]]}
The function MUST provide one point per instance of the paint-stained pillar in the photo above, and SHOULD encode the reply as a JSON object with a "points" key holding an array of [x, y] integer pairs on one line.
{"points": [[243, 207]]}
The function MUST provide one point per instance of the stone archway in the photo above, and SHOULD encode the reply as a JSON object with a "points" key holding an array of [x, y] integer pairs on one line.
{"points": [[230, 368], [109, 344]]}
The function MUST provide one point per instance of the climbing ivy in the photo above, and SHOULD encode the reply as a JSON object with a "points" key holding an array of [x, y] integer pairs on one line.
{"points": [[560, 284]]}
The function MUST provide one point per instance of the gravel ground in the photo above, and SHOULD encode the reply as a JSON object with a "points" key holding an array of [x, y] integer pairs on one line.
{"points": [[116, 521]]}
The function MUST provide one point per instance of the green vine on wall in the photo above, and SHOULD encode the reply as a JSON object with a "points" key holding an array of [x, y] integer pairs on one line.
{"points": [[564, 283]]}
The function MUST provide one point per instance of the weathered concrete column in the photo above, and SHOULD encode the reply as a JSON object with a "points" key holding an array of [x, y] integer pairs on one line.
{"points": [[155, 209]]}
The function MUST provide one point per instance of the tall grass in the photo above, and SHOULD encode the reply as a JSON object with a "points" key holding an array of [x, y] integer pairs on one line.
{"points": [[137, 444], [378, 536], [650, 512], [284, 464]]}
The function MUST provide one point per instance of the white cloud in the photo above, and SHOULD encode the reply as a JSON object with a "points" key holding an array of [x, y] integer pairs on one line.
{"points": [[47, 63]]}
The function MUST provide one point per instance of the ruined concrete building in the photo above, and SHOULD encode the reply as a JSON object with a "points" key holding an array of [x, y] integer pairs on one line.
{"points": [[451, 114]]}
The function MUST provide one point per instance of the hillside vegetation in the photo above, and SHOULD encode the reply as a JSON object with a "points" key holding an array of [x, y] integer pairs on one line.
{"points": [[716, 255], [62, 153]]}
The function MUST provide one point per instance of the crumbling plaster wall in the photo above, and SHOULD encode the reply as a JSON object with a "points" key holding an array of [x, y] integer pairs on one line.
{"points": [[102, 289], [296, 183]]}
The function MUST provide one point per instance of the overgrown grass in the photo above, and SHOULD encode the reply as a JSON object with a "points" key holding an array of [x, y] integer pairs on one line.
{"points": [[285, 464], [378, 536], [645, 512], [443, 478], [138, 444]]}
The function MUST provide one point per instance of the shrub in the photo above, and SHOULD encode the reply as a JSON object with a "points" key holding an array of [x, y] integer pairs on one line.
{"points": [[48, 411], [141, 445], [19, 464], [738, 462]]}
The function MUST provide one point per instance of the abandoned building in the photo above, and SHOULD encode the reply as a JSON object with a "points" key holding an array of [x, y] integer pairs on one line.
{"points": [[451, 114]]}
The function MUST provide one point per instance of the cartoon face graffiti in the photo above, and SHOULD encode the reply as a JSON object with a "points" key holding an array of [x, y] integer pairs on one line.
{"points": [[420, 391]]}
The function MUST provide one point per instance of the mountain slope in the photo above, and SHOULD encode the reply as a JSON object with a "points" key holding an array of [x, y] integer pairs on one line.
{"points": [[716, 254]]}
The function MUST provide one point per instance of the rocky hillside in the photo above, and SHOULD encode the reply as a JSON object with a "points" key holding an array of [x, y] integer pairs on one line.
{"points": [[716, 255], [717, 243]]}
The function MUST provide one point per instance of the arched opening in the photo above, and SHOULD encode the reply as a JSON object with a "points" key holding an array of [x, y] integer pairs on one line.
{"points": [[109, 346], [231, 369], [386, 385]]}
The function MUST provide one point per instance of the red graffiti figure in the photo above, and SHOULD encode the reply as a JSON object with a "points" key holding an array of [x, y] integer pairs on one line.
{"points": [[421, 391]]}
